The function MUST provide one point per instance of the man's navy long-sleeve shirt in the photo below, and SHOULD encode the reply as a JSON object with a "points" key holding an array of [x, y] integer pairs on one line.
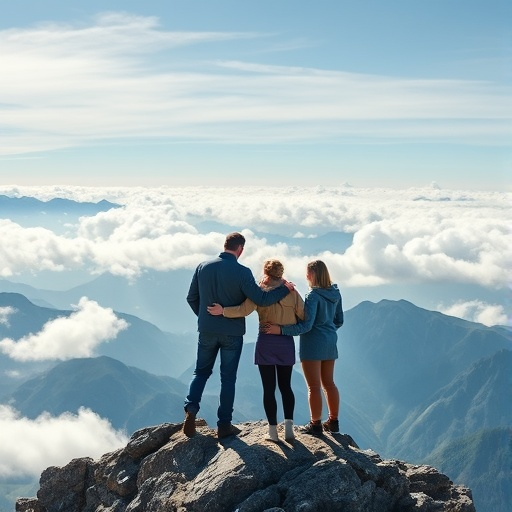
{"points": [[227, 282]]}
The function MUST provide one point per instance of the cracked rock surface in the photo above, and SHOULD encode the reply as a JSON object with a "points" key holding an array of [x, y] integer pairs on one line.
{"points": [[160, 469]]}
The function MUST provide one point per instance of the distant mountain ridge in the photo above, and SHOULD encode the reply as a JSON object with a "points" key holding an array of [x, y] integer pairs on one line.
{"points": [[477, 395], [157, 297], [409, 353], [104, 385], [482, 458], [59, 215], [142, 344], [26, 205]]}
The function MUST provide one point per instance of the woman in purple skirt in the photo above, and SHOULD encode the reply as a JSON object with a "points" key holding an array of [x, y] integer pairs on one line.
{"points": [[274, 353]]}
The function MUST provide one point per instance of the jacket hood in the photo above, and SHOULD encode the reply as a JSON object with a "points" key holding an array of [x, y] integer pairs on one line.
{"points": [[331, 294]]}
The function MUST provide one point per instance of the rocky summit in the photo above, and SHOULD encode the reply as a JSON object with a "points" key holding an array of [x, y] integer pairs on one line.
{"points": [[160, 469]]}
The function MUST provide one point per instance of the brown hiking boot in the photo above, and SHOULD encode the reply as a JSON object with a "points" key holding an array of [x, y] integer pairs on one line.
{"points": [[331, 426], [226, 430], [189, 425], [313, 429]]}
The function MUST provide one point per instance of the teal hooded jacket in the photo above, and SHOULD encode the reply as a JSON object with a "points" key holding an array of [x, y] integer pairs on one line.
{"points": [[323, 316]]}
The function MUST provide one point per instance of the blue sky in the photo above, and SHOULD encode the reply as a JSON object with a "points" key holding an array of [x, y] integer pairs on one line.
{"points": [[394, 94]]}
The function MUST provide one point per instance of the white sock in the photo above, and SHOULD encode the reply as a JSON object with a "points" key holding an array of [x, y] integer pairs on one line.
{"points": [[272, 433], [288, 429]]}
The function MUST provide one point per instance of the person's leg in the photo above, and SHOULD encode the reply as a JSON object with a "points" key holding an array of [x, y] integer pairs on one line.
{"points": [[207, 350], [311, 371], [230, 352], [268, 381], [284, 381], [332, 396]]}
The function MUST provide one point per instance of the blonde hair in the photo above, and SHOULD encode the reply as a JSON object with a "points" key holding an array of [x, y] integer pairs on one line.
{"points": [[319, 274], [273, 268]]}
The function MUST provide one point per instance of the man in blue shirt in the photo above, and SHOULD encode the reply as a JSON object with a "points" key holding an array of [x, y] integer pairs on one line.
{"points": [[225, 281]]}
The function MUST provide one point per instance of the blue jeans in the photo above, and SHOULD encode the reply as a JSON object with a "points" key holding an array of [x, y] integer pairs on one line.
{"points": [[207, 349]]}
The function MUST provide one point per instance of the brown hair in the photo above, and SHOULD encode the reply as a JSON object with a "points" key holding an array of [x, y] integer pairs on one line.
{"points": [[234, 241], [273, 268], [319, 274]]}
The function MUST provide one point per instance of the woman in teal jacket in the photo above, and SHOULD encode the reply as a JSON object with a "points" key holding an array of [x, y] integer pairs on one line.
{"points": [[323, 316]]}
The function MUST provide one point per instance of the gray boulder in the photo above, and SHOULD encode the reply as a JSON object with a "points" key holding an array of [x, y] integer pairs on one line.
{"points": [[161, 470]]}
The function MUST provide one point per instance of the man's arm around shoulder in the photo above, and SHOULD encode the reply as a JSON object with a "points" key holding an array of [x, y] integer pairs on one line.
{"points": [[252, 290]]}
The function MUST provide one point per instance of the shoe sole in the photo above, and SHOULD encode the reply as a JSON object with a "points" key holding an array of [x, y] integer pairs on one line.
{"points": [[310, 433]]}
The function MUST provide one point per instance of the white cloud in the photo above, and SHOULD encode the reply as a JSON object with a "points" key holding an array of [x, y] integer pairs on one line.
{"points": [[5, 312], [477, 311], [27, 447], [72, 85], [13, 374], [38, 248], [67, 337], [413, 248]]}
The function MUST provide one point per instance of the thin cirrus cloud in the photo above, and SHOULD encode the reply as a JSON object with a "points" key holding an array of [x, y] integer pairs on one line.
{"points": [[76, 335], [67, 86]]}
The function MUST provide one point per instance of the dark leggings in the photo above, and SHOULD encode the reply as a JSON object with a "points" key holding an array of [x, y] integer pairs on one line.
{"points": [[268, 379]]}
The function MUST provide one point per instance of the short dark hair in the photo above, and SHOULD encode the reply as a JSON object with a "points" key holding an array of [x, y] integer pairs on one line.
{"points": [[234, 241]]}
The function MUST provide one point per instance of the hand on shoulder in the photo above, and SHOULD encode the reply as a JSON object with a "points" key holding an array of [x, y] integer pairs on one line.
{"points": [[289, 285]]}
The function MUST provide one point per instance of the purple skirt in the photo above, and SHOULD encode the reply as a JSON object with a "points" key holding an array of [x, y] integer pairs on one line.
{"points": [[274, 349]]}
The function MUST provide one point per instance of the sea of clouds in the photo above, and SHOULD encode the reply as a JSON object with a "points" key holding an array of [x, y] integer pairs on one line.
{"points": [[412, 236], [419, 237]]}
